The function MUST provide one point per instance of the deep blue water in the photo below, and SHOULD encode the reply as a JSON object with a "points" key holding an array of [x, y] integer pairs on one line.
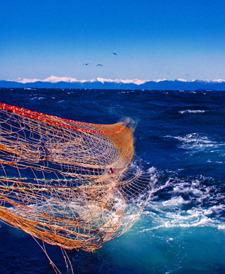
{"points": [[180, 141]]}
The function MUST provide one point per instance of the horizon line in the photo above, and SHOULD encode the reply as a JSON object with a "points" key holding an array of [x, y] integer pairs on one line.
{"points": [[56, 79]]}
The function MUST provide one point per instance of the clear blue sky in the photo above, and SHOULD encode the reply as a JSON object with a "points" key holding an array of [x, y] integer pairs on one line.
{"points": [[153, 39]]}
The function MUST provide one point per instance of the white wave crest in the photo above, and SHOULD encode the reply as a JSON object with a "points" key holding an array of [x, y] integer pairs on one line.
{"points": [[196, 141], [186, 204], [192, 111]]}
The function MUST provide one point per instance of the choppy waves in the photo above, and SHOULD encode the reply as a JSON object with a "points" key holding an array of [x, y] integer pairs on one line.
{"points": [[185, 202], [211, 149]]}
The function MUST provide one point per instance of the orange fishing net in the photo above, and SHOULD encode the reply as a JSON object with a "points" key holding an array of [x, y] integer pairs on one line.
{"points": [[68, 183]]}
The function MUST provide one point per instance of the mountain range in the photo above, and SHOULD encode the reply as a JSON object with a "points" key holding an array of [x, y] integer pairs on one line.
{"points": [[100, 83]]}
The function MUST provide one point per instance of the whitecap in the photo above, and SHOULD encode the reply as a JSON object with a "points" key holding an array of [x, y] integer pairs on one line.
{"points": [[152, 170], [192, 111], [38, 98], [197, 142], [185, 203]]}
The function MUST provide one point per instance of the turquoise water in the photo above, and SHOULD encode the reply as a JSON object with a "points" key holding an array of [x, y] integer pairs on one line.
{"points": [[180, 142]]}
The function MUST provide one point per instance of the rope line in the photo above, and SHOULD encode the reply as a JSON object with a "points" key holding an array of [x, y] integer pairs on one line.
{"points": [[36, 115]]}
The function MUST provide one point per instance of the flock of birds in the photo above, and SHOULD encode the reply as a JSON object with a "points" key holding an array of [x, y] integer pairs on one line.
{"points": [[98, 65]]}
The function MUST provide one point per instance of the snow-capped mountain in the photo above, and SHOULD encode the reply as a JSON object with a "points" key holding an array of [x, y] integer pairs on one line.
{"points": [[101, 83]]}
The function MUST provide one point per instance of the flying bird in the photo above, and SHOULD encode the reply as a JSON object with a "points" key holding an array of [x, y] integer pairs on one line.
{"points": [[86, 64], [99, 65], [114, 53]]}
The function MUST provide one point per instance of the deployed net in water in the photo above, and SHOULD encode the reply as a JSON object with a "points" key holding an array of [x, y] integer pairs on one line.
{"points": [[68, 183]]}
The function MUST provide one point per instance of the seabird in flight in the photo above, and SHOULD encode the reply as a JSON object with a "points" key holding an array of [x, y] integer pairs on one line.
{"points": [[114, 53], [99, 65], [86, 64]]}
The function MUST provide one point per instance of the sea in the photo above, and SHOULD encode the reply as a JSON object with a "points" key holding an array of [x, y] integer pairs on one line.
{"points": [[179, 140]]}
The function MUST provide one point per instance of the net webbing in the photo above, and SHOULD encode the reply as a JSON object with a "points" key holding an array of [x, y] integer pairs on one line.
{"points": [[68, 183]]}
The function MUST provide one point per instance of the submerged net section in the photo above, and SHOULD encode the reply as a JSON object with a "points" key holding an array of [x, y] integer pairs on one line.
{"points": [[68, 183]]}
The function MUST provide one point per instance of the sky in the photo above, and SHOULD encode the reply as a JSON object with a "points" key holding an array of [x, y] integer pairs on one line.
{"points": [[163, 39]]}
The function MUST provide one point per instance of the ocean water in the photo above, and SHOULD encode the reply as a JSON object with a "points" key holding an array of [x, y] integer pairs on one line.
{"points": [[180, 141]]}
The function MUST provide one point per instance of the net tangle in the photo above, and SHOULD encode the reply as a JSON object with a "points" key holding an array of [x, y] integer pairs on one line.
{"points": [[68, 183]]}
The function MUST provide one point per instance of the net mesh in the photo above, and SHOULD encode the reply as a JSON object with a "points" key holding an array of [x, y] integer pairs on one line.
{"points": [[68, 183]]}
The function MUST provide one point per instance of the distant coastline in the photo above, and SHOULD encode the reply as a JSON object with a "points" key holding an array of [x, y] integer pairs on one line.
{"points": [[217, 85]]}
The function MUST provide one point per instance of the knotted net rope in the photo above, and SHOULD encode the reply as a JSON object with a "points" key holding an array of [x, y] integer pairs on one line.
{"points": [[68, 183]]}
